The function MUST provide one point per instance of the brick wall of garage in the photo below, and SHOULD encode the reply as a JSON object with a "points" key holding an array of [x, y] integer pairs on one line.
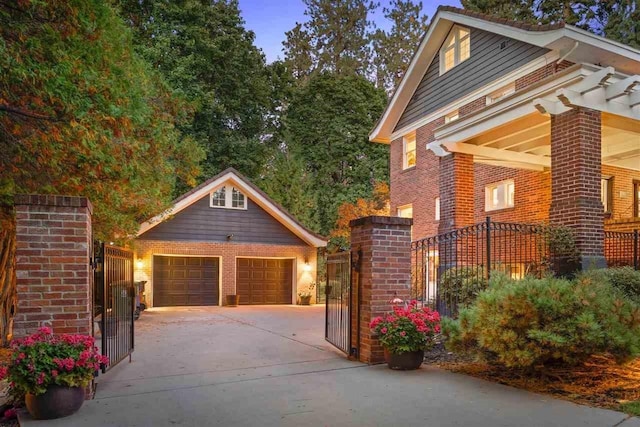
{"points": [[228, 252]]}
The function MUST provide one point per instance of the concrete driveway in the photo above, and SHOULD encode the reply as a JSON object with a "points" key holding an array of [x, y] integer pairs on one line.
{"points": [[270, 366]]}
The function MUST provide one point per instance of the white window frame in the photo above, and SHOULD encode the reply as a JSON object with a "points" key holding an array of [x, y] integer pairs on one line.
{"points": [[501, 93], [606, 186], [452, 116], [457, 59], [437, 208], [499, 195], [228, 195], [411, 137], [402, 208]]}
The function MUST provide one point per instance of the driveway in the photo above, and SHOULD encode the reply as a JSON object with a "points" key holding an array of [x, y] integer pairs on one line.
{"points": [[270, 366]]}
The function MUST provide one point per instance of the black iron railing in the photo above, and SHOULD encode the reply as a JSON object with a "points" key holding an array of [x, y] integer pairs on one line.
{"points": [[338, 303], [622, 248]]}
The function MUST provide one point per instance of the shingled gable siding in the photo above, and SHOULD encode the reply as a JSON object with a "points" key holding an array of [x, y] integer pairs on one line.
{"points": [[487, 63], [202, 223]]}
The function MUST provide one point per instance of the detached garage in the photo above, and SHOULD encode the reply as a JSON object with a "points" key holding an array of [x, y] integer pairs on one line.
{"points": [[225, 237]]}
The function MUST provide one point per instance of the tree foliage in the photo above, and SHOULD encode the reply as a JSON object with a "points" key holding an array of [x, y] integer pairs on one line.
{"points": [[82, 114]]}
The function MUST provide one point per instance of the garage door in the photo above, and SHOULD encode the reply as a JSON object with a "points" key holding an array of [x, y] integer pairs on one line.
{"points": [[185, 281], [264, 281]]}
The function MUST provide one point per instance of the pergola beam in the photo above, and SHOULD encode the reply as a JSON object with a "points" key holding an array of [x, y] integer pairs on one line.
{"points": [[497, 154]]}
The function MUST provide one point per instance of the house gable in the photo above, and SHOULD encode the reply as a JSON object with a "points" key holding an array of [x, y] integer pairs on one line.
{"points": [[492, 56], [202, 223]]}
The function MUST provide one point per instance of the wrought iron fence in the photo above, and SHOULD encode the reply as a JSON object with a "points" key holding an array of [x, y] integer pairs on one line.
{"points": [[338, 303], [622, 249], [450, 269]]}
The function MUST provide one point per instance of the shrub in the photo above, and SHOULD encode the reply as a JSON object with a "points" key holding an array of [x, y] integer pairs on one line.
{"points": [[624, 279], [462, 284], [535, 322]]}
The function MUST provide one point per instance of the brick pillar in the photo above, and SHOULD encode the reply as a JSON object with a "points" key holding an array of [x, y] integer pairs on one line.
{"points": [[456, 191], [575, 181], [384, 245], [52, 264]]}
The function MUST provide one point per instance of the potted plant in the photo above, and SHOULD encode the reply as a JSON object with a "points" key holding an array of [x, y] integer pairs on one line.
{"points": [[305, 295], [51, 372], [233, 300], [405, 333]]}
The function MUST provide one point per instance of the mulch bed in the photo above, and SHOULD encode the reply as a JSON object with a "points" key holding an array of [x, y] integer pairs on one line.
{"points": [[599, 382]]}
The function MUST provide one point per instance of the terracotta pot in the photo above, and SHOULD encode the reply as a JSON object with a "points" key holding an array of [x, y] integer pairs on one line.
{"points": [[56, 402], [305, 300], [233, 300], [404, 361]]}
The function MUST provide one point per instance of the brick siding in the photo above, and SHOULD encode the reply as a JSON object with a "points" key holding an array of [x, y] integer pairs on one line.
{"points": [[145, 249], [53, 243]]}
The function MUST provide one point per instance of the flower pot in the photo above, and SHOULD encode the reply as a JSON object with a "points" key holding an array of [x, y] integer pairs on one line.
{"points": [[305, 300], [56, 402], [233, 300], [404, 361]]}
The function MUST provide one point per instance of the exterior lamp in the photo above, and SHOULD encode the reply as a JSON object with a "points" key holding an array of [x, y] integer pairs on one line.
{"points": [[139, 263], [307, 266]]}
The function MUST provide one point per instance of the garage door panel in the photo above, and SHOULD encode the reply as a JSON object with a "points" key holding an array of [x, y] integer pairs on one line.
{"points": [[185, 280], [264, 280]]}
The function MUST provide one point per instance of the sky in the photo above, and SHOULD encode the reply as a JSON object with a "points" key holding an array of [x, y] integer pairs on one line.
{"points": [[270, 19]]}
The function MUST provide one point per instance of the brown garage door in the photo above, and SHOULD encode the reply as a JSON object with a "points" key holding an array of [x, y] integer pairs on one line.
{"points": [[185, 281], [264, 281]]}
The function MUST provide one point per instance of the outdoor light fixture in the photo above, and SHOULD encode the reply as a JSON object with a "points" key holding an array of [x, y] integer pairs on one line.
{"points": [[139, 263], [307, 266]]}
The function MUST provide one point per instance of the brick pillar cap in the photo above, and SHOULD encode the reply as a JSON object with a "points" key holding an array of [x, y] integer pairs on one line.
{"points": [[381, 220], [52, 200]]}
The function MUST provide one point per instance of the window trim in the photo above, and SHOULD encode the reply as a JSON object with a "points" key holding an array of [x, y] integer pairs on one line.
{"points": [[636, 198], [488, 189], [403, 207], [608, 207], [454, 33], [437, 208], [405, 139], [228, 198], [452, 116]]}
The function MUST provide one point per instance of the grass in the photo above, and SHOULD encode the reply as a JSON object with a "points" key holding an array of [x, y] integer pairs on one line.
{"points": [[631, 408]]}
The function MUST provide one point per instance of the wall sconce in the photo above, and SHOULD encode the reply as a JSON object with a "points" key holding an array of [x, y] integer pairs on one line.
{"points": [[139, 263], [307, 266]]}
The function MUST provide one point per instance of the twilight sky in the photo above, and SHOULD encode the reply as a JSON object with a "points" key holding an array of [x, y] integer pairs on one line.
{"points": [[270, 19]]}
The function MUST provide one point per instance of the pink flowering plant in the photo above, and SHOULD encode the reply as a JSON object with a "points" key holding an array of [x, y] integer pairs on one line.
{"points": [[407, 328], [43, 359]]}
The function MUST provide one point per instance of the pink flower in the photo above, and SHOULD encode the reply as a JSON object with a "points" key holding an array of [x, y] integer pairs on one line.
{"points": [[396, 301], [383, 330], [4, 370], [10, 413], [54, 373], [45, 330], [41, 378], [403, 333]]}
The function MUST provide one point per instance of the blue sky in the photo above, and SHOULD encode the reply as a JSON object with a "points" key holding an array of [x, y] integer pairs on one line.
{"points": [[270, 19]]}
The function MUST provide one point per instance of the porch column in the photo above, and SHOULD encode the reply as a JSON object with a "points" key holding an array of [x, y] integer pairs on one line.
{"points": [[575, 181], [456, 191]]}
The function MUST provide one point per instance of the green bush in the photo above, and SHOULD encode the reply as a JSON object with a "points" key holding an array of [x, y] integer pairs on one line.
{"points": [[536, 322], [624, 279], [462, 284]]}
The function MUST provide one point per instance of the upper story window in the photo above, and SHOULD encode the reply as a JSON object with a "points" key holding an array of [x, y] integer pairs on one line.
{"points": [[437, 208], [405, 211], [456, 48], [503, 92], [499, 195], [228, 197], [606, 193], [454, 115], [409, 151]]}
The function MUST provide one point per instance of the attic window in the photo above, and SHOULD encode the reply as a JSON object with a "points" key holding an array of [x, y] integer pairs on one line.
{"points": [[456, 48], [228, 197]]}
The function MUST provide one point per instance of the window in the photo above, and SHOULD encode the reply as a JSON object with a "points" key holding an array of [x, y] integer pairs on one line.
{"points": [[237, 199], [218, 197], [500, 195], [454, 115], [456, 48], [437, 209], [409, 151], [405, 211], [503, 92], [606, 193], [636, 199], [228, 197]]}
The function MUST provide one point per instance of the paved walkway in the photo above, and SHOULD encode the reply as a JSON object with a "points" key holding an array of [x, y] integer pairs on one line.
{"points": [[270, 366]]}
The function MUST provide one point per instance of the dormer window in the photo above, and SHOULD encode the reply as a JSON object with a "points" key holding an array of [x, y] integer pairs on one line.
{"points": [[456, 48], [228, 197]]}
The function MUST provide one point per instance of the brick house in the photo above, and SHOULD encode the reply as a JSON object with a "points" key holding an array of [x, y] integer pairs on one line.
{"points": [[225, 237], [514, 121]]}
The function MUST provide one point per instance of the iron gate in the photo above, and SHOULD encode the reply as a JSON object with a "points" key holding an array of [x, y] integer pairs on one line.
{"points": [[114, 298], [339, 300]]}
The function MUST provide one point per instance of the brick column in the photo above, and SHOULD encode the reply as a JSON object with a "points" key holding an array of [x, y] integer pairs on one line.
{"points": [[384, 246], [575, 181], [52, 264], [456, 191]]}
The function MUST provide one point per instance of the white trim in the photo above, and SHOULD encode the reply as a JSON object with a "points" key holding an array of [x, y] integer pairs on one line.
{"points": [[590, 45], [410, 137], [294, 274], [456, 48], [478, 93], [228, 196], [404, 207], [153, 283], [502, 204], [248, 191], [496, 153]]}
